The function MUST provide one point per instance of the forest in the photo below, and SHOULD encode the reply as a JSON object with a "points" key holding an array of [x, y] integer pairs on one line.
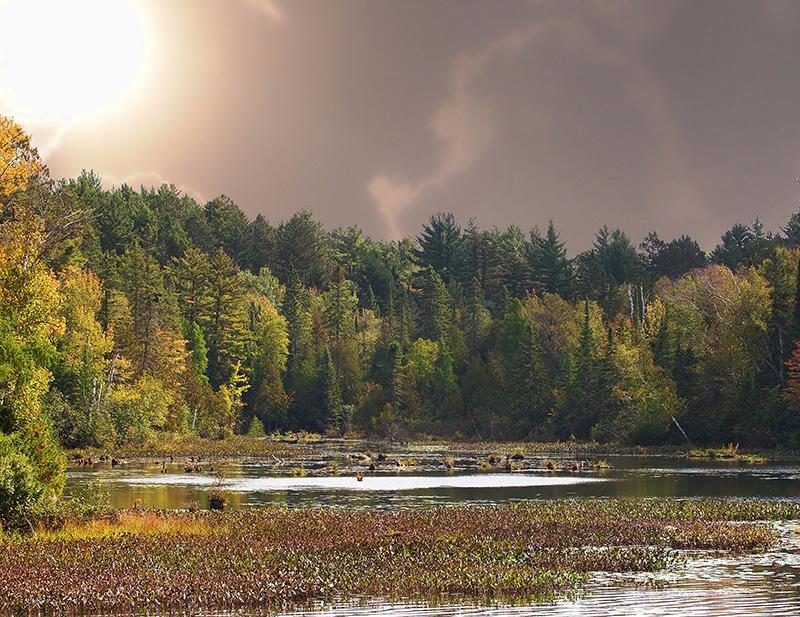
{"points": [[128, 314]]}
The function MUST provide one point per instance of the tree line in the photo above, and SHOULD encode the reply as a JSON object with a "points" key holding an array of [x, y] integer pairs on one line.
{"points": [[125, 314]]}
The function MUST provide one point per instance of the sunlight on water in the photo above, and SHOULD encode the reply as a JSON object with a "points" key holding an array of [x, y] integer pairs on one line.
{"points": [[718, 585], [370, 483]]}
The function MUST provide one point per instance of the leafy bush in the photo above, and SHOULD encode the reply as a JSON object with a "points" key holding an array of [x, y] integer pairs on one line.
{"points": [[20, 489], [256, 428]]}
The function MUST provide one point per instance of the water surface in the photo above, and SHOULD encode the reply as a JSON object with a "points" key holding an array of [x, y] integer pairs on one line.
{"points": [[724, 585]]}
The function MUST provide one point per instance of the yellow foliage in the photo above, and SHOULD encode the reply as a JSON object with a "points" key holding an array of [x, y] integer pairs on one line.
{"points": [[144, 523], [19, 161]]}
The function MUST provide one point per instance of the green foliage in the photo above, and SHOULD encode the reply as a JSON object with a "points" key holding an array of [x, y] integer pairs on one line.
{"points": [[161, 314], [434, 314], [20, 487], [550, 268], [256, 428]]}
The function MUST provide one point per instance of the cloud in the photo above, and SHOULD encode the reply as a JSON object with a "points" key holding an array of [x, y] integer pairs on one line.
{"points": [[463, 123], [463, 128], [149, 179], [269, 8], [46, 134]]}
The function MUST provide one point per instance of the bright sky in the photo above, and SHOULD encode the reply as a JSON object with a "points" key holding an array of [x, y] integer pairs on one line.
{"points": [[674, 115]]}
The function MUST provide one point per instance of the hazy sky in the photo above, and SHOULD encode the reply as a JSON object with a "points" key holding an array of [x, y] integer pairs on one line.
{"points": [[679, 116]]}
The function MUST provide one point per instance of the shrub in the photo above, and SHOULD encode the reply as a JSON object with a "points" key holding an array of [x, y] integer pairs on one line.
{"points": [[20, 489], [256, 428]]}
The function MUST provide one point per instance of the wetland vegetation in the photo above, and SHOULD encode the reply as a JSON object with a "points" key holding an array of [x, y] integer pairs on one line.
{"points": [[140, 560]]}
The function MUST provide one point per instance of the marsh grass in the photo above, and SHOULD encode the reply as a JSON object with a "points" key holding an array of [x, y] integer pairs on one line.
{"points": [[129, 523], [729, 452], [278, 557]]}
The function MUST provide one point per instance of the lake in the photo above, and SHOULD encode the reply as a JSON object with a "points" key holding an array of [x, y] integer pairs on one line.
{"points": [[766, 584]]}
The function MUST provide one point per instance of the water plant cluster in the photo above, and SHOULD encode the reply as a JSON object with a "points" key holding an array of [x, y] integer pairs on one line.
{"points": [[279, 557], [729, 452]]}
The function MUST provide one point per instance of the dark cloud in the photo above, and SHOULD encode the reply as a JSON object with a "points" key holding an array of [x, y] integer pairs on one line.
{"points": [[679, 116]]}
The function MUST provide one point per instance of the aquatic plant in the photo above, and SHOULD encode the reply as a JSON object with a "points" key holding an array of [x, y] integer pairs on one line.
{"points": [[275, 557], [729, 452]]}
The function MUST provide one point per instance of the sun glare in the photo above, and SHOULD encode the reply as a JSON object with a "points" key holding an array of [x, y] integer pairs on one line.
{"points": [[63, 59]]}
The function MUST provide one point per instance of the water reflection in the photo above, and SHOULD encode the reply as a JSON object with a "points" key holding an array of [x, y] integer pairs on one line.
{"points": [[727, 586], [257, 483]]}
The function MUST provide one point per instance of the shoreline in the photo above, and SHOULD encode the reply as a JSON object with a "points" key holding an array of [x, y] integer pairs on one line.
{"points": [[250, 448]]}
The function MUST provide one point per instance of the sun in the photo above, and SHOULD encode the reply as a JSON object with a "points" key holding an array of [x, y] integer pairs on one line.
{"points": [[63, 59]]}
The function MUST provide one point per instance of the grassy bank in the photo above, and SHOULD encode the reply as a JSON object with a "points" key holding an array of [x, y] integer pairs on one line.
{"points": [[299, 445], [275, 557]]}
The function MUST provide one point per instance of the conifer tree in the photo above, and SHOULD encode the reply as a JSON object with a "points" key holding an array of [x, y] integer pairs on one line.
{"points": [[441, 246], [550, 269], [434, 314], [477, 318], [333, 409], [224, 321], [298, 319]]}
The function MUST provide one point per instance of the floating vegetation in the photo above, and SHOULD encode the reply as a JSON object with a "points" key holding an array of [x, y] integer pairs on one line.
{"points": [[727, 453], [601, 464], [276, 557], [299, 472]]}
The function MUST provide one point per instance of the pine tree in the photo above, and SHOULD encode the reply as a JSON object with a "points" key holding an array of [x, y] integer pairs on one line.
{"points": [[298, 322], [196, 344], [530, 382], [550, 268], [231, 229], [189, 276], [340, 303], [583, 395], [263, 244], [441, 246], [301, 247], [224, 321], [434, 314], [333, 409], [477, 319], [150, 312]]}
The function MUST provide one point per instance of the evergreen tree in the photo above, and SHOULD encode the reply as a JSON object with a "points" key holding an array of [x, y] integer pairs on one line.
{"points": [[550, 268], [297, 311], [476, 319], [441, 246], [530, 388], [150, 312], [263, 244], [224, 321], [581, 409], [434, 313], [301, 247], [230, 228], [791, 232], [734, 250], [189, 275], [333, 409]]}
